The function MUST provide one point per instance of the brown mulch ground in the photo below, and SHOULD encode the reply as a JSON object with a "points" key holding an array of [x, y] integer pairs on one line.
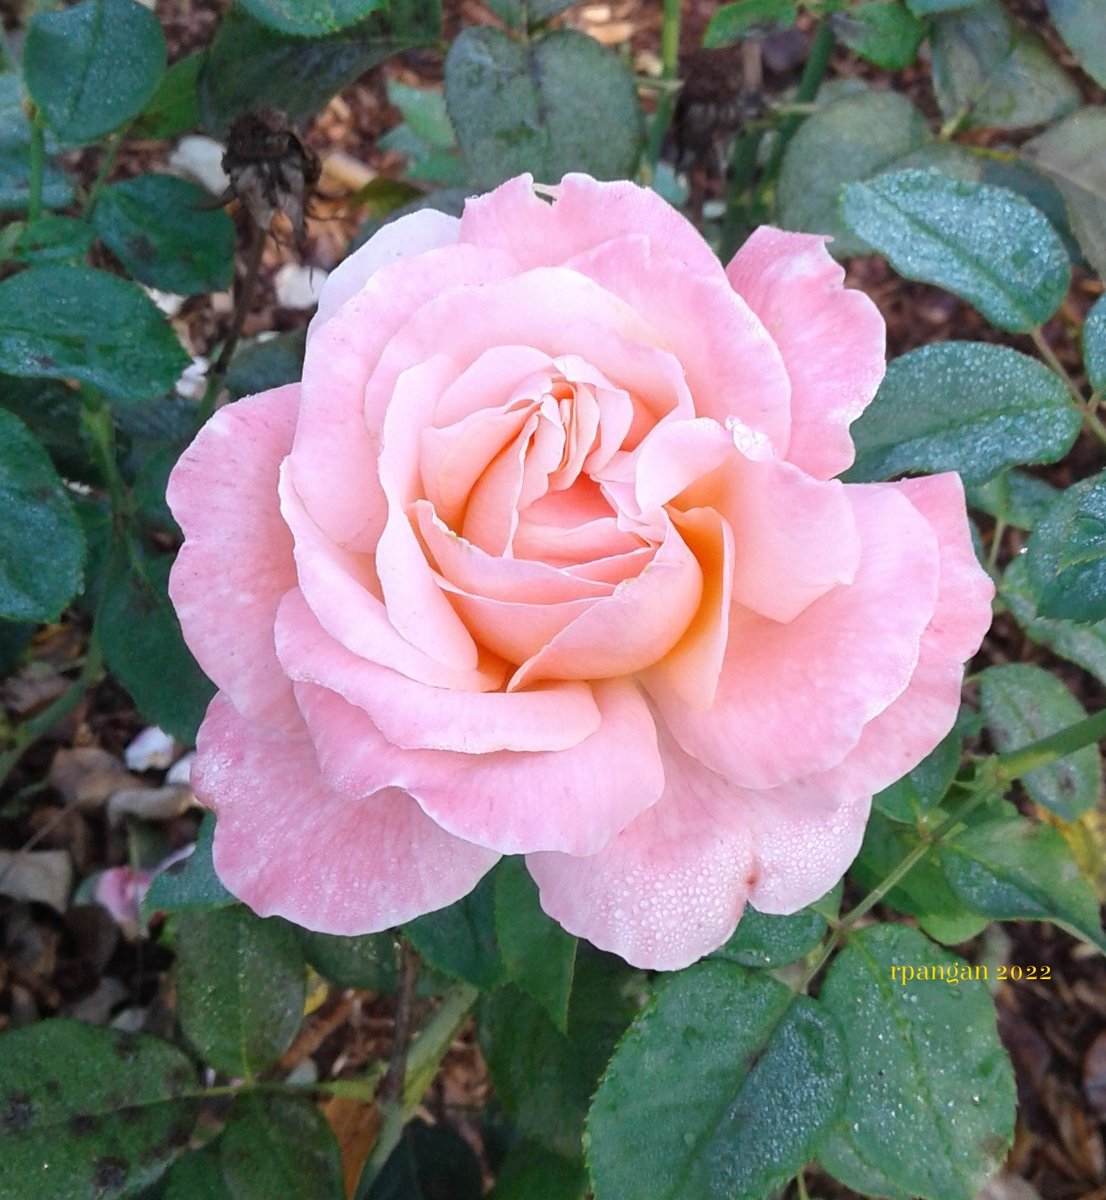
{"points": [[80, 964]]}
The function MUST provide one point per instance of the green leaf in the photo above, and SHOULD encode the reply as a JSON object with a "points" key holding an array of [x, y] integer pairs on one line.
{"points": [[91, 67], [1022, 703], [528, 13], [923, 788], [884, 32], [983, 243], [35, 512], [1016, 175], [461, 939], [174, 108], [280, 1146], [53, 239], [1015, 870], [766, 941], [532, 108], [315, 18], [250, 65], [840, 1159], [1073, 155], [62, 322], [367, 962], [530, 1172], [240, 988], [542, 1077], [700, 1099], [851, 139], [259, 366], [424, 113], [963, 406], [143, 646], [1094, 345], [1079, 23], [197, 1175], [987, 71], [89, 1112], [928, 8], [1018, 498], [1067, 554], [1082, 644], [15, 154], [192, 886], [732, 22], [430, 1161], [930, 1101], [161, 230], [538, 954]]}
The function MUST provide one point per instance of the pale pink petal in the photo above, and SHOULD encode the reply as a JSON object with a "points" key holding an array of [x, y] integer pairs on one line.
{"points": [[343, 591], [733, 367], [236, 562], [584, 214], [569, 800], [404, 237], [491, 516], [491, 381], [335, 449], [833, 340], [671, 886], [289, 845], [793, 699], [413, 715], [636, 626]]}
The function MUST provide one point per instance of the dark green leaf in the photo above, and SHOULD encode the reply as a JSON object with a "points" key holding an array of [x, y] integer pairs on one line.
{"points": [[963, 406], [250, 65], [424, 114], [460, 939], [1016, 175], [1080, 25], [931, 1095], [196, 1176], [91, 67], [532, 108], [542, 1077], [15, 154], [840, 1158], [53, 239], [163, 231], [62, 322], [853, 138], [528, 13], [259, 366], [87, 1112], [537, 953], [280, 1146], [192, 886], [143, 646], [762, 940], [174, 108], [1073, 155], [530, 1172], [240, 988], [1082, 644], [35, 513], [1067, 554], [1022, 703], [884, 32], [313, 18], [15, 637], [431, 1162], [367, 962], [732, 22], [1018, 498], [984, 243], [923, 788], [1094, 345], [928, 8], [989, 71], [52, 412], [721, 1090], [1014, 870]]}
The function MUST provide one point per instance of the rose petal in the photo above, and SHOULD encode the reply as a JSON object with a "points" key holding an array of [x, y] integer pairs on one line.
{"points": [[288, 845], [832, 338], [236, 562]]}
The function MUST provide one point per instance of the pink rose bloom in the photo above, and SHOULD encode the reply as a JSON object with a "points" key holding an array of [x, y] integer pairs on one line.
{"points": [[545, 556]]}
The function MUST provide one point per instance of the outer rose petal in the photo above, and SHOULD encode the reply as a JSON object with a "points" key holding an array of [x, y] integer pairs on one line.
{"points": [[833, 340], [671, 886], [237, 563], [513, 803], [326, 861]]}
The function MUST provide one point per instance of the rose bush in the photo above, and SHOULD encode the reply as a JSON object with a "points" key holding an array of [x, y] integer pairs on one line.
{"points": [[546, 556]]}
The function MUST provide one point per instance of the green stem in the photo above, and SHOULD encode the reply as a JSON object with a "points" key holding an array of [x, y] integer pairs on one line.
{"points": [[1086, 407], [996, 544], [1017, 763], [670, 65], [38, 167], [106, 165], [99, 428]]}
